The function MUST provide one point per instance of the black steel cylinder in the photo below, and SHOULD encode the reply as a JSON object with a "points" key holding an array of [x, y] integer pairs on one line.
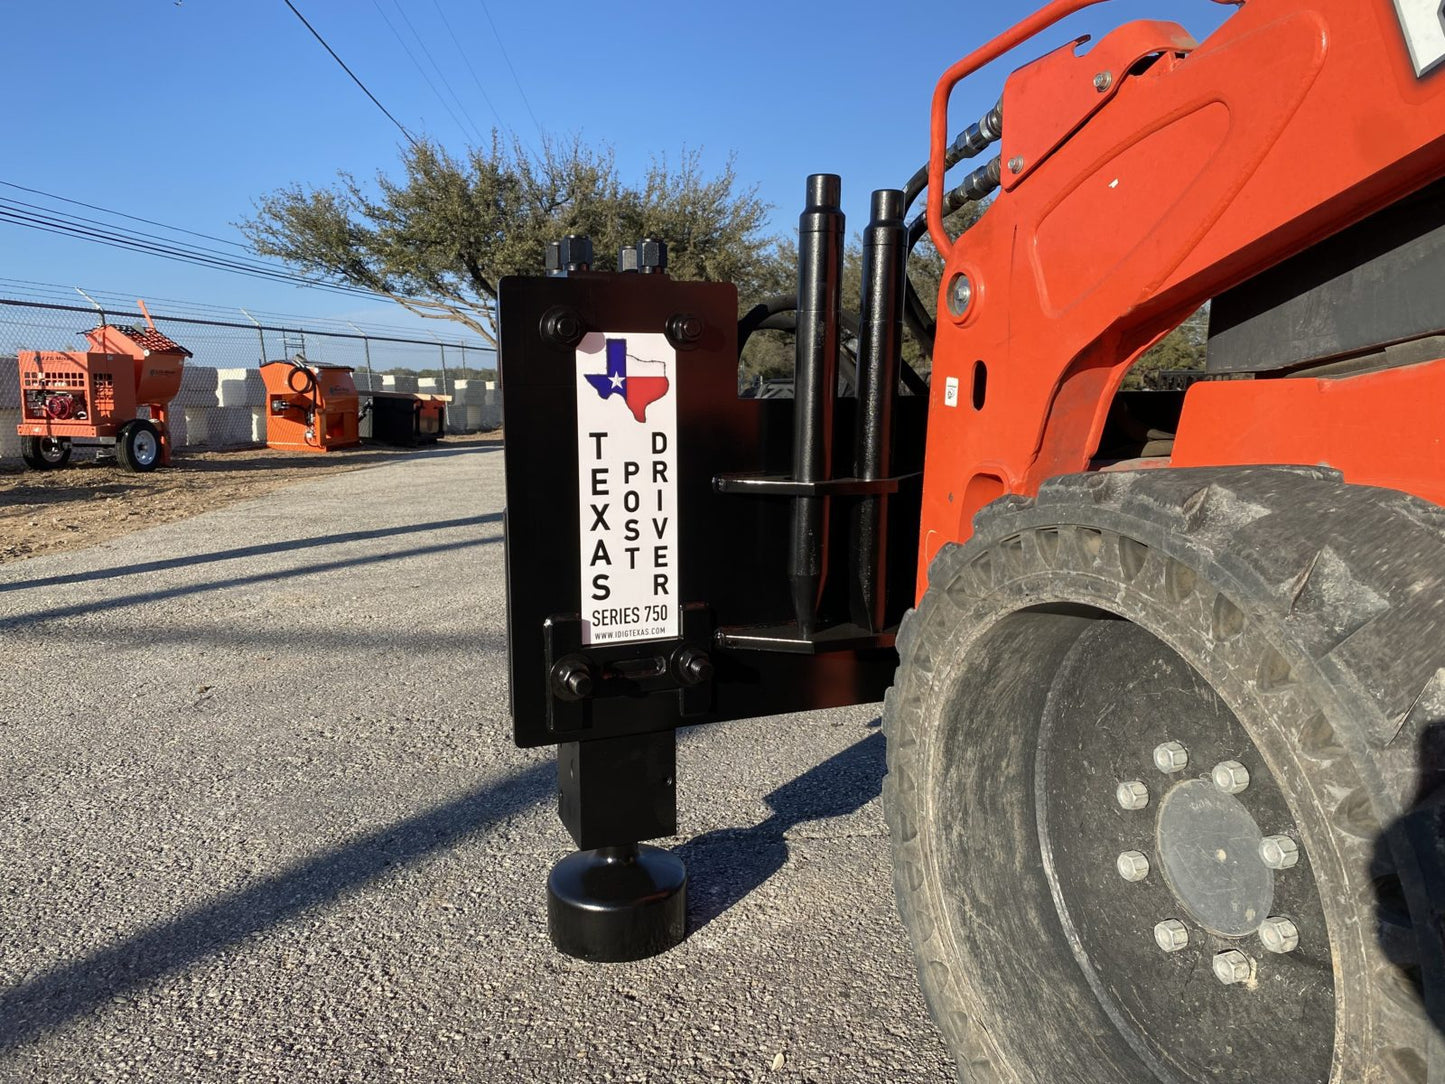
{"points": [[880, 357], [820, 265]]}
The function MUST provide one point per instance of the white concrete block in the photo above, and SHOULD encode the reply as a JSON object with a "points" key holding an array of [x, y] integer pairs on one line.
{"points": [[9, 439], [9, 383], [398, 382], [429, 385], [198, 386], [258, 425], [239, 388], [230, 426], [473, 420], [196, 423]]}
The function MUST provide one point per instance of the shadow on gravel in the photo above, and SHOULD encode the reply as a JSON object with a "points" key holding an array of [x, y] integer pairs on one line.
{"points": [[26, 620], [726, 865], [258, 550], [29, 1010]]}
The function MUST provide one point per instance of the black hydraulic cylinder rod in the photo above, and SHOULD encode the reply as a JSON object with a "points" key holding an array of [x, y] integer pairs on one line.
{"points": [[820, 267], [880, 356]]}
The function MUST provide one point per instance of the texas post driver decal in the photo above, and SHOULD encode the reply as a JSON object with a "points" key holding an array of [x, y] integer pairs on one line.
{"points": [[627, 475]]}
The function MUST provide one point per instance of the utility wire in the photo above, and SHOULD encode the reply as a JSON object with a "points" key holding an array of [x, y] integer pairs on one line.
{"points": [[417, 65], [122, 214], [134, 243], [477, 132], [467, 61], [508, 59], [349, 72]]}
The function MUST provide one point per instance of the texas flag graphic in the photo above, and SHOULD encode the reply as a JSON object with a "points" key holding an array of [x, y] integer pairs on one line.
{"points": [[639, 383]]}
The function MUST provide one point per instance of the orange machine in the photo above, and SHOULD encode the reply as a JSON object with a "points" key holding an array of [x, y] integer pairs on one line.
{"points": [[310, 408], [95, 396]]}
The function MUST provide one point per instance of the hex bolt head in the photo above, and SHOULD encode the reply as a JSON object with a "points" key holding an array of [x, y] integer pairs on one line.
{"points": [[1132, 866], [1103, 81], [1016, 164], [1279, 935], [651, 256], [1132, 795], [1171, 935], [1278, 852], [1231, 967], [960, 294], [1171, 757], [1230, 776]]}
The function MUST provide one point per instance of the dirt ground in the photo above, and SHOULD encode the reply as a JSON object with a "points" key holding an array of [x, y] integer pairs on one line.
{"points": [[91, 500]]}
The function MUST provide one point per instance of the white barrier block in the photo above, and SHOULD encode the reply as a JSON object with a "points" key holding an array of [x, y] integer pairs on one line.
{"points": [[9, 439], [258, 425], [198, 387], [230, 426], [429, 385], [239, 388], [196, 423], [398, 382], [473, 417], [9, 383]]}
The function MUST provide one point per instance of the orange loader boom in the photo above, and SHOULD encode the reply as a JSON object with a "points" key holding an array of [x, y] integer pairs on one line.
{"points": [[1141, 179]]}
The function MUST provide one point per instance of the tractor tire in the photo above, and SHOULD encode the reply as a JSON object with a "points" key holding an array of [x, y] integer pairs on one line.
{"points": [[1166, 781], [138, 446], [45, 453]]}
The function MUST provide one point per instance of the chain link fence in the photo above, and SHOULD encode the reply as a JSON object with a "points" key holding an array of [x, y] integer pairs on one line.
{"points": [[222, 401]]}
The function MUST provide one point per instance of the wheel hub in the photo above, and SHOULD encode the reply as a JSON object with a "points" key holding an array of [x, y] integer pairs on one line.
{"points": [[1209, 851]]}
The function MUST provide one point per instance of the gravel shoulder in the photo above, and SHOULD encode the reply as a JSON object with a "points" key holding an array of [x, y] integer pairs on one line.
{"points": [[265, 823]]}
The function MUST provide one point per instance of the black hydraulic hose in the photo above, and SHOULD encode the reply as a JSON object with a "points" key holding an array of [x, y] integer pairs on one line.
{"points": [[969, 143]]}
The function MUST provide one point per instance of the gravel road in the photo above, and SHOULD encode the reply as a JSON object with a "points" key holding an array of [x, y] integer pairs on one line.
{"points": [[264, 822]]}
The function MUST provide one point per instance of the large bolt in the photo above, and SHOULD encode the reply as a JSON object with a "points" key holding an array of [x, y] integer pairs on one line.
{"points": [[960, 294], [693, 667], [1103, 81], [1171, 935], [1132, 866], [1232, 967], [1231, 776], [1132, 795], [1278, 852], [1171, 757], [683, 329], [1279, 935], [575, 252], [572, 679], [1016, 164]]}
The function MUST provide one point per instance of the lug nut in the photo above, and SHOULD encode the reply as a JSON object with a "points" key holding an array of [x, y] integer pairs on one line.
{"points": [[1278, 852], [1231, 967], [1132, 866], [1171, 935], [1279, 935], [1171, 757], [1103, 81], [1132, 795], [1231, 776]]}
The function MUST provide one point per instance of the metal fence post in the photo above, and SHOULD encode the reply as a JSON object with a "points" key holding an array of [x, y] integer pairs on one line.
{"points": [[260, 333]]}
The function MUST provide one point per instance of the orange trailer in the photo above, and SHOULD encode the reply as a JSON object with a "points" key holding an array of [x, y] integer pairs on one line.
{"points": [[95, 396], [310, 408]]}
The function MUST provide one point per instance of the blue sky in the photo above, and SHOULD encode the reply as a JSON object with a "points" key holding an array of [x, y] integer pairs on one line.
{"points": [[186, 112]]}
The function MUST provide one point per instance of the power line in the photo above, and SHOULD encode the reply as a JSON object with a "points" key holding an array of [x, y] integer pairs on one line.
{"points": [[477, 132], [116, 238], [467, 61], [503, 46], [349, 72], [122, 214]]}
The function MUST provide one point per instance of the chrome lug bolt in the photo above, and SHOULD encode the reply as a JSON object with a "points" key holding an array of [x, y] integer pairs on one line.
{"points": [[1231, 967], [1231, 776], [1132, 866], [1132, 795], [1171, 935], [1278, 852], [1171, 757], [1279, 935]]}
